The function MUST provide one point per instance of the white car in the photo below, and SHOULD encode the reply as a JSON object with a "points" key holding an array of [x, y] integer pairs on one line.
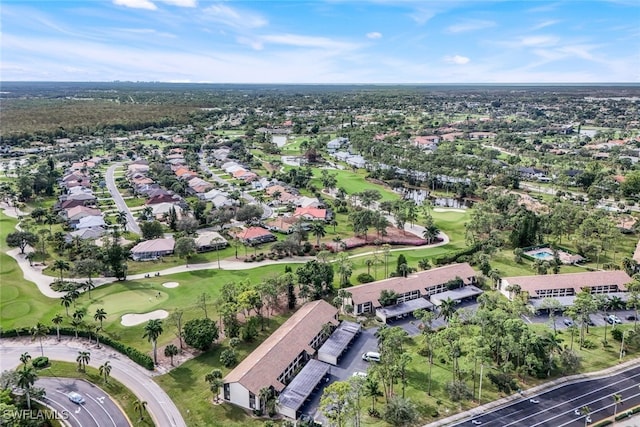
{"points": [[360, 374], [76, 398], [534, 401], [476, 422]]}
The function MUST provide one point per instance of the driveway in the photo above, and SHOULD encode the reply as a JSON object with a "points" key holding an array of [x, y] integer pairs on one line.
{"points": [[110, 181], [97, 410], [137, 379]]}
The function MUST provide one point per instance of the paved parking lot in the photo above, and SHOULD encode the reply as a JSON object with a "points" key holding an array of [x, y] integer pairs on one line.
{"points": [[598, 318]]}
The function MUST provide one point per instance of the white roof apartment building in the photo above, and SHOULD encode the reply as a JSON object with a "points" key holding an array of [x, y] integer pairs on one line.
{"points": [[424, 284], [564, 287]]}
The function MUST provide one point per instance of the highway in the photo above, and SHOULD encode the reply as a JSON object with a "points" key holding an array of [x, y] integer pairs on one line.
{"points": [[560, 406], [97, 410], [110, 181]]}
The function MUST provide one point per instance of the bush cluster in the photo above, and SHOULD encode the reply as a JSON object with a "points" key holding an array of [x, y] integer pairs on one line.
{"points": [[453, 256], [40, 362]]}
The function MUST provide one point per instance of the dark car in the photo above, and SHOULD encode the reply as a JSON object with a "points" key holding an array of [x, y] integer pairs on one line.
{"points": [[631, 317], [567, 322]]}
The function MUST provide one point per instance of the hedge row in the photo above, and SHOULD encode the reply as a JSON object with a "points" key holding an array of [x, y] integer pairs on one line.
{"points": [[137, 356], [453, 256]]}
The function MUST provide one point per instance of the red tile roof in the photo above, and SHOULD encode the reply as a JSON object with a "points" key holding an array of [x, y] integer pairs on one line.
{"points": [[577, 281], [252, 233], [315, 213]]}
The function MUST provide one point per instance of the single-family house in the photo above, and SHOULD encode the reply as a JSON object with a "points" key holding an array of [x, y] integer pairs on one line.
{"points": [[210, 241], [90, 222], [255, 236], [152, 249], [311, 214]]}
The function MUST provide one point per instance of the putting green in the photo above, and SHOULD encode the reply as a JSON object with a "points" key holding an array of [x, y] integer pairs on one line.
{"points": [[132, 301], [15, 310], [8, 293]]}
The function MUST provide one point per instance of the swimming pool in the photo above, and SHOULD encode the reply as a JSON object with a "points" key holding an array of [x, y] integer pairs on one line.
{"points": [[544, 255]]}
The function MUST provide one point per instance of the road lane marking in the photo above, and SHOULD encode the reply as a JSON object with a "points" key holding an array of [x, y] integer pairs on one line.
{"points": [[103, 408]]}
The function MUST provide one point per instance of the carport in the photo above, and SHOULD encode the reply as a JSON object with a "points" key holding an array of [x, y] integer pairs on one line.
{"points": [[303, 385], [457, 295], [398, 310], [338, 342]]}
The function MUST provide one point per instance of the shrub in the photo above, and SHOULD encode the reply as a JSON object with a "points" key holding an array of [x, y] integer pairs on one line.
{"points": [[616, 334], [200, 333], [458, 391], [228, 358], [40, 362], [365, 278]]}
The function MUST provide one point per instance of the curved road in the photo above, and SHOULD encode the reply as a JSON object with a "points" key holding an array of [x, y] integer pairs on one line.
{"points": [[110, 181], [98, 409], [561, 405], [137, 379]]}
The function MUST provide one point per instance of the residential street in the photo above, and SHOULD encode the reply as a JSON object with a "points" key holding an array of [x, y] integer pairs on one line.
{"points": [[110, 180], [134, 377]]}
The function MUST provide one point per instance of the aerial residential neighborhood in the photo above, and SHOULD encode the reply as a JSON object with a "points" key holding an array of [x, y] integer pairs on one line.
{"points": [[344, 214]]}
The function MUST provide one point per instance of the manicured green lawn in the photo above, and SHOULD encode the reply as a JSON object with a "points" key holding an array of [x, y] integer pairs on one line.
{"points": [[134, 203], [354, 182], [21, 304], [118, 392]]}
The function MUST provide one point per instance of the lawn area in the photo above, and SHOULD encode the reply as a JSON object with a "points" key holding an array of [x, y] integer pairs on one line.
{"points": [[354, 182], [118, 392], [134, 202], [141, 296], [188, 378], [21, 304]]}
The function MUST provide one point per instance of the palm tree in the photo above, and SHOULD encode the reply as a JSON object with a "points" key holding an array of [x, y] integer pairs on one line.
{"points": [[105, 370], [57, 321], [60, 265], [265, 395], [74, 295], [318, 230], [66, 301], [24, 358], [27, 377], [170, 351], [447, 309], [430, 232], [100, 316], [39, 331], [140, 406], [79, 314], [214, 378], [147, 213], [121, 219], [152, 330], [83, 359], [75, 323], [617, 399], [372, 390], [88, 285]]}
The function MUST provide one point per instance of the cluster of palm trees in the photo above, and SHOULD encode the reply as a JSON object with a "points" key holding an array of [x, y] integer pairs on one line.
{"points": [[78, 315]]}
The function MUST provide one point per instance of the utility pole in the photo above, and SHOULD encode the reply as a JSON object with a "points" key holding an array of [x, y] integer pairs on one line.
{"points": [[480, 387]]}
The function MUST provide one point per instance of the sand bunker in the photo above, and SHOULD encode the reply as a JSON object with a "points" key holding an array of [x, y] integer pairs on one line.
{"points": [[448, 210], [171, 284], [136, 319]]}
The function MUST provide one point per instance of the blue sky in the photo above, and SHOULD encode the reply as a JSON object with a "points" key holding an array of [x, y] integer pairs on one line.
{"points": [[321, 41]]}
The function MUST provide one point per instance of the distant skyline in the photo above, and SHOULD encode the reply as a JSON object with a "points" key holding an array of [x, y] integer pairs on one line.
{"points": [[321, 41]]}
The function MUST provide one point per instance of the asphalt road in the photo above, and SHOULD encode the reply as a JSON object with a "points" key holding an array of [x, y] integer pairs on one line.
{"points": [[110, 181], [557, 407], [162, 409], [97, 410]]}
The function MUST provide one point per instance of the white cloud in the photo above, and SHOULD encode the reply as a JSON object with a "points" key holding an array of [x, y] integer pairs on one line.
{"points": [[422, 16], [545, 24], [470, 25], [136, 4], [234, 17], [307, 41], [538, 41], [181, 3], [456, 59], [374, 35]]}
